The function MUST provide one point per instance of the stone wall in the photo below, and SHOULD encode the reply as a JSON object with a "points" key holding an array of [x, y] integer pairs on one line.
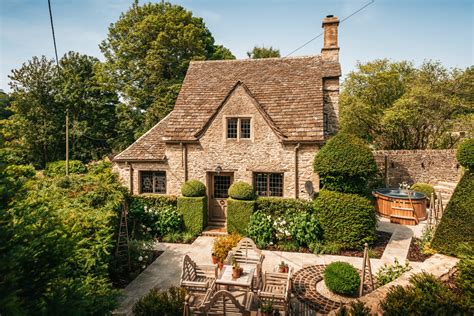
{"points": [[331, 105], [429, 166]]}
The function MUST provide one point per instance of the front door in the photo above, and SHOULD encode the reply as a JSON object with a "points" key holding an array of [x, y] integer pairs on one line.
{"points": [[218, 186]]}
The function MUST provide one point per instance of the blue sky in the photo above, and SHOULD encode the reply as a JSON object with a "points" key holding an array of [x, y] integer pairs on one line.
{"points": [[412, 30]]}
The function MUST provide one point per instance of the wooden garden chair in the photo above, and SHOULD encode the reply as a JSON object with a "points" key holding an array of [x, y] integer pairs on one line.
{"points": [[195, 302], [276, 288], [224, 303], [197, 277], [246, 252]]}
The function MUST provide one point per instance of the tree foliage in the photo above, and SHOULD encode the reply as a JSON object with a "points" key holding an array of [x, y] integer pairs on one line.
{"points": [[263, 52], [147, 53], [395, 105]]}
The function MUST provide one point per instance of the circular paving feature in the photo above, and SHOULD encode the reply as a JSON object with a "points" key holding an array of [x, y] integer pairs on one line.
{"points": [[304, 283]]}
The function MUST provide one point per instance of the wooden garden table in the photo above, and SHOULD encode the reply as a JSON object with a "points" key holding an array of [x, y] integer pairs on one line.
{"points": [[244, 281]]}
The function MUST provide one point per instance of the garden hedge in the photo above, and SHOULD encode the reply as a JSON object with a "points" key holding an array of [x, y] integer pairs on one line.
{"points": [[345, 164], [193, 188], [347, 219], [58, 168], [457, 224], [238, 215], [342, 278], [241, 191], [281, 206], [424, 188], [465, 154], [194, 211]]}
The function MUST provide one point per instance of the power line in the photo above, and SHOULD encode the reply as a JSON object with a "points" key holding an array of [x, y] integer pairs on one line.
{"points": [[52, 30], [320, 34]]}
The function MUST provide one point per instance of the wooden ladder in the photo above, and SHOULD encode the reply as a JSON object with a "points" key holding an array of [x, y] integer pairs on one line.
{"points": [[122, 250], [403, 212]]}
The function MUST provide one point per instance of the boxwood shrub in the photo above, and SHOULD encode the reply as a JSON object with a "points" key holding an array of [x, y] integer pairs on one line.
{"points": [[194, 212], [281, 206], [342, 278], [238, 215], [193, 188], [159, 302], [58, 168], [424, 188], [465, 154], [457, 224], [347, 219], [345, 164], [241, 191]]}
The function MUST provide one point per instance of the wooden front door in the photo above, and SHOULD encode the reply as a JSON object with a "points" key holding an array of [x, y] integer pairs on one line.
{"points": [[218, 186]]}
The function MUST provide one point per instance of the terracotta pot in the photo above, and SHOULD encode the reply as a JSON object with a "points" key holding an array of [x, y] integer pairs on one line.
{"points": [[281, 269], [286, 269], [220, 265], [214, 259], [236, 273]]}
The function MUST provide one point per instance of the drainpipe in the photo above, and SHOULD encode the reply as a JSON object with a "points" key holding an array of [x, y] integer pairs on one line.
{"points": [[184, 160], [297, 147], [130, 179]]}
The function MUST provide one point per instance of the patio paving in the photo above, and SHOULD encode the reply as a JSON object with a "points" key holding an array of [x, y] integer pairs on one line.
{"points": [[165, 271]]}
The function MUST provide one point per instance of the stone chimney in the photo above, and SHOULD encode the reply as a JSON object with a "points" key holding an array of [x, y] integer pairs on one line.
{"points": [[330, 51]]}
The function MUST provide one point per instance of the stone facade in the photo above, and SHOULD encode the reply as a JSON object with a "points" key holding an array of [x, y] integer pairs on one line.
{"points": [[263, 152], [331, 105], [428, 166]]}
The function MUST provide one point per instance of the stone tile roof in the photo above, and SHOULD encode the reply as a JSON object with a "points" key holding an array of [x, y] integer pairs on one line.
{"points": [[289, 90], [150, 146]]}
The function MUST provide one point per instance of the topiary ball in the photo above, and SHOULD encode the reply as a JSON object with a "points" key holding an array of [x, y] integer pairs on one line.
{"points": [[241, 191], [342, 278], [465, 154], [424, 188], [193, 188]]}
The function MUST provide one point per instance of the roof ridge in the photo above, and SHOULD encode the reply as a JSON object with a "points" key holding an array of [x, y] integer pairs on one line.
{"points": [[255, 59]]}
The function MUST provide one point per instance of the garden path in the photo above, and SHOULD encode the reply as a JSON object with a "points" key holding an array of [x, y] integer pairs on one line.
{"points": [[165, 271]]}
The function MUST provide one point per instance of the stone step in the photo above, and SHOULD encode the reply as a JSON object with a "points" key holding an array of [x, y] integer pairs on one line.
{"points": [[446, 184], [215, 231]]}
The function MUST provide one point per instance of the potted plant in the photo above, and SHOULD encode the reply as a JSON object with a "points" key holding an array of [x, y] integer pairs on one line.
{"points": [[236, 269], [283, 267], [266, 308], [214, 258]]}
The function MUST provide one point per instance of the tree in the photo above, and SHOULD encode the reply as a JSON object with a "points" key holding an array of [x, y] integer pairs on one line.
{"points": [[263, 52], [4, 105], [397, 106], [147, 53]]}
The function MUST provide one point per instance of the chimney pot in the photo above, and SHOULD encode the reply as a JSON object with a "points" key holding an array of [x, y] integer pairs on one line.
{"points": [[330, 51]]}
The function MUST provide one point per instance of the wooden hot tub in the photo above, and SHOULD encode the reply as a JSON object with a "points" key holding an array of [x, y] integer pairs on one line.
{"points": [[396, 203]]}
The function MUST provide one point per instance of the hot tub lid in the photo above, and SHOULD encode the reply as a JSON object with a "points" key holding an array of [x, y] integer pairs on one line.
{"points": [[400, 194]]}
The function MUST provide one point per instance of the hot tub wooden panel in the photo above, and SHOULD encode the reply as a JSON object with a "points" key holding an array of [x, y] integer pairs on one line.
{"points": [[383, 205]]}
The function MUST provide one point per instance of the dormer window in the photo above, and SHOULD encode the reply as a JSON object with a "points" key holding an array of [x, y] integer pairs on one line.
{"points": [[238, 128]]}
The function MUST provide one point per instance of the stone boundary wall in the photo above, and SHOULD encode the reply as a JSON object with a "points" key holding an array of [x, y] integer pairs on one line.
{"points": [[428, 166]]}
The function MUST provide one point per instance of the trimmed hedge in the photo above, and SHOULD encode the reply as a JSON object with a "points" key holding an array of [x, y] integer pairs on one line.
{"points": [[194, 211], [345, 164], [342, 278], [241, 191], [282, 206], [347, 219], [457, 224], [58, 168], [193, 188], [424, 188], [465, 154], [238, 215]]}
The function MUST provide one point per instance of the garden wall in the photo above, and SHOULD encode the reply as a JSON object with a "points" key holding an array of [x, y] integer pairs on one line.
{"points": [[429, 166]]}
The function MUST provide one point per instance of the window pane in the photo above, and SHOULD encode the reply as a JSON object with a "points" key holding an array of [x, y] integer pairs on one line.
{"points": [[160, 182], [146, 182], [244, 128], [232, 128], [261, 184], [276, 184], [221, 186]]}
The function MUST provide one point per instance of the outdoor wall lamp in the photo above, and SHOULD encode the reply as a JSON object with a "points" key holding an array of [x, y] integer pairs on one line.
{"points": [[218, 170]]}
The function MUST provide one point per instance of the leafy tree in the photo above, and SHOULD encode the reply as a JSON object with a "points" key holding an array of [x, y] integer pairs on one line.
{"points": [[4, 104], [263, 52], [147, 53], [397, 106]]}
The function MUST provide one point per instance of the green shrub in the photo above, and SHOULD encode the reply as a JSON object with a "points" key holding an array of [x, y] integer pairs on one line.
{"points": [[457, 224], [238, 215], [347, 219], [261, 229], [388, 273], [465, 154], [345, 164], [241, 191], [325, 248], [424, 188], [465, 280], [58, 168], [356, 308], [282, 206], [342, 278], [194, 212], [424, 296], [288, 245], [193, 188], [154, 215], [222, 245], [156, 302], [304, 228]]}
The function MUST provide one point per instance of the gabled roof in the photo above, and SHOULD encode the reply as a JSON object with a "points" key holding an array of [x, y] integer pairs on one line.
{"points": [[289, 90]]}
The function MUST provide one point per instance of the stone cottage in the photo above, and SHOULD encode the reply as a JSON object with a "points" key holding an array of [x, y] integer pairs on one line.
{"points": [[260, 121]]}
